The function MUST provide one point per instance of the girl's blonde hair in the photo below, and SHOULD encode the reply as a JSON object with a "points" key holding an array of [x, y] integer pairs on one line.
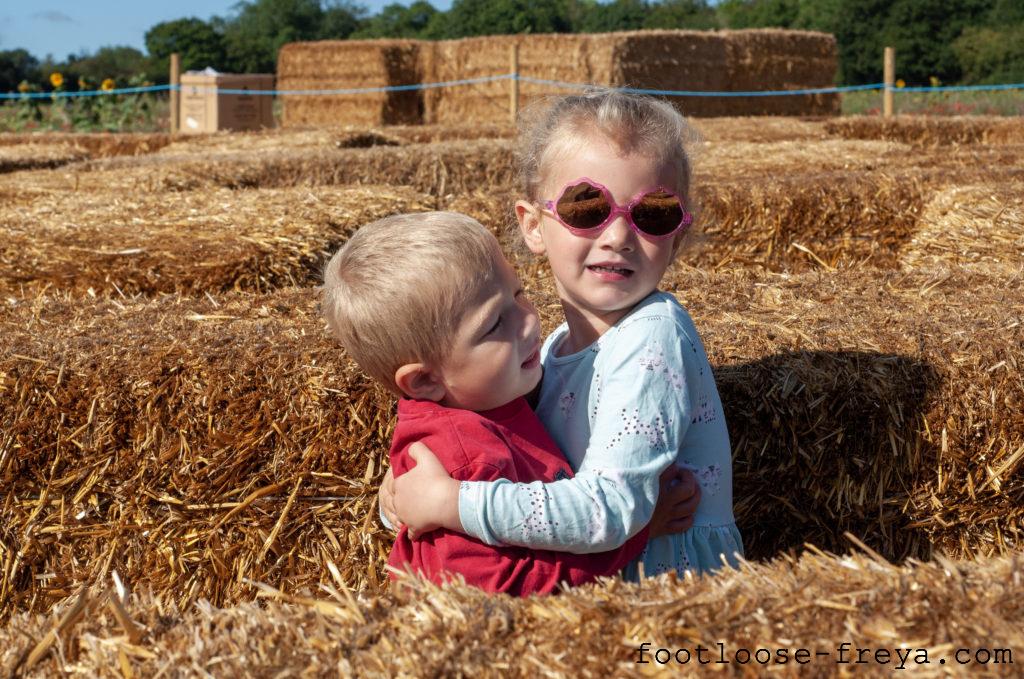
{"points": [[634, 122]]}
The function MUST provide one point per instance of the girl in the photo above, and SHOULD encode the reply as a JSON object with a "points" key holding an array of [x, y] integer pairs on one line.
{"points": [[627, 389]]}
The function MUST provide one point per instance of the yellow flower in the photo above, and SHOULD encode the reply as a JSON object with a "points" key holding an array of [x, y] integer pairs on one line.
{"points": [[56, 79], [24, 87], [900, 84], [107, 85], [935, 81]]}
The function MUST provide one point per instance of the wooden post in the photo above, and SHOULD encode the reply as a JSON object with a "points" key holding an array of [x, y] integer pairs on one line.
{"points": [[890, 81], [175, 93], [514, 96]]}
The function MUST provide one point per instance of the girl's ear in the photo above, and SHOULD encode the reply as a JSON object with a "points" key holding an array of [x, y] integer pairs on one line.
{"points": [[419, 381], [528, 215]]}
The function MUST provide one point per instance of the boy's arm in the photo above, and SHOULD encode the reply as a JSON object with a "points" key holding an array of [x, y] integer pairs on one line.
{"points": [[641, 416]]}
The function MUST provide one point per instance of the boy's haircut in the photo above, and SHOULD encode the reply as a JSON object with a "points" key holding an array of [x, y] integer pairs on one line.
{"points": [[559, 125], [396, 292]]}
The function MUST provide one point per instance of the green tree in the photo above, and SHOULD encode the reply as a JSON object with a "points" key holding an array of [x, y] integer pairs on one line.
{"points": [[119, 63], [398, 21], [197, 41], [692, 14], [500, 17], [16, 66], [757, 13], [604, 17], [258, 29], [923, 31], [991, 55]]}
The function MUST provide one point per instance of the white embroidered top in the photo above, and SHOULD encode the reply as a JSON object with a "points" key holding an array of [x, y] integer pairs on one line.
{"points": [[622, 410]]}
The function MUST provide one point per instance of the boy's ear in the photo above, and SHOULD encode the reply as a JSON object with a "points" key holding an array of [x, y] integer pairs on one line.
{"points": [[528, 216], [419, 381]]}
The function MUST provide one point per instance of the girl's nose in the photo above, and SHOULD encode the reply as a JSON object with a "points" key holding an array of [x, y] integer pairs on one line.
{"points": [[617, 235]]}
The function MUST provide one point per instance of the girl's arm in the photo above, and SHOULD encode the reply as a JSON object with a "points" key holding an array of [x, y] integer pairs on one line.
{"points": [[641, 413]]}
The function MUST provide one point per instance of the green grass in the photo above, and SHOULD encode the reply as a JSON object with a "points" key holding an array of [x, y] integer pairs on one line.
{"points": [[995, 103]]}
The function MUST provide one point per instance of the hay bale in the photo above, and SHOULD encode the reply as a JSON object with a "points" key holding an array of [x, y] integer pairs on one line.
{"points": [[931, 130], [190, 242], [438, 169], [902, 616], [978, 227], [96, 144], [349, 64], [760, 129], [801, 220], [38, 156], [177, 430], [148, 425]]}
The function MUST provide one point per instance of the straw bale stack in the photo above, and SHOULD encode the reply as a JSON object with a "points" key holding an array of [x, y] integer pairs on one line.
{"points": [[675, 60], [916, 613], [194, 443], [348, 64], [189, 242], [979, 227], [564, 57], [931, 130]]}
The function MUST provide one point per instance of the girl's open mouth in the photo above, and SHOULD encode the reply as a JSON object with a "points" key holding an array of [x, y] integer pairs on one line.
{"points": [[611, 273]]}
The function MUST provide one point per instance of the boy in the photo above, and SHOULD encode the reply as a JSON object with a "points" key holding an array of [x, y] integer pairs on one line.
{"points": [[428, 305]]}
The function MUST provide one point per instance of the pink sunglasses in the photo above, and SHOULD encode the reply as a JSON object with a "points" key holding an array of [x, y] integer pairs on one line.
{"points": [[586, 207]]}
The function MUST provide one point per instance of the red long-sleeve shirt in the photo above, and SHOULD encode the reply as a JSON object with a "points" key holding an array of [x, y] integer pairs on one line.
{"points": [[508, 442]]}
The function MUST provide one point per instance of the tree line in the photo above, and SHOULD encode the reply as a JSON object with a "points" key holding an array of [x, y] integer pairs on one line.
{"points": [[949, 41]]}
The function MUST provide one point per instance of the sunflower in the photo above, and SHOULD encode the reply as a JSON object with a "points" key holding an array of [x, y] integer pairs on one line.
{"points": [[24, 87], [900, 83], [107, 84], [56, 79]]}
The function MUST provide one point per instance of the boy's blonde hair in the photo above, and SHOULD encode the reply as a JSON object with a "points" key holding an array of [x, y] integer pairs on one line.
{"points": [[558, 126], [396, 292]]}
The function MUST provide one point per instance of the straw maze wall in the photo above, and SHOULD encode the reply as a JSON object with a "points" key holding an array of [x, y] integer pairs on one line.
{"points": [[670, 60], [171, 409]]}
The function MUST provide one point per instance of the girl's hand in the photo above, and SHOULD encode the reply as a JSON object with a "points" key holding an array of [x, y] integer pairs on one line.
{"points": [[426, 497], [677, 502], [386, 500]]}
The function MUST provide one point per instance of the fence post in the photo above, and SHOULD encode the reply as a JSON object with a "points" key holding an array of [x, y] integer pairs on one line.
{"points": [[175, 92], [890, 81], [514, 92]]}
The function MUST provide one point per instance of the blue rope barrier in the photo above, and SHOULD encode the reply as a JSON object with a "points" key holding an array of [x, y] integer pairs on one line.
{"points": [[702, 93], [495, 78]]}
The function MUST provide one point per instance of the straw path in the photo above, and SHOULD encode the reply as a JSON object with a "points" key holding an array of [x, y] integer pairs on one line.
{"points": [[819, 602], [164, 438]]}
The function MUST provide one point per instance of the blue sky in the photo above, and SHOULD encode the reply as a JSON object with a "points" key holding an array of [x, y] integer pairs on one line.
{"points": [[60, 27]]}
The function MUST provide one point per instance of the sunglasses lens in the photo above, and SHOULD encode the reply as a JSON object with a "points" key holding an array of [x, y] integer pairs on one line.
{"points": [[658, 213], [583, 206]]}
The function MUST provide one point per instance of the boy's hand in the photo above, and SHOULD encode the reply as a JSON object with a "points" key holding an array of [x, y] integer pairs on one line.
{"points": [[426, 497], [677, 502], [386, 500]]}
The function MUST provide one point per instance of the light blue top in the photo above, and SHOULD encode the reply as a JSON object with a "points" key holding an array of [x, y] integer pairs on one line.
{"points": [[622, 410]]}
